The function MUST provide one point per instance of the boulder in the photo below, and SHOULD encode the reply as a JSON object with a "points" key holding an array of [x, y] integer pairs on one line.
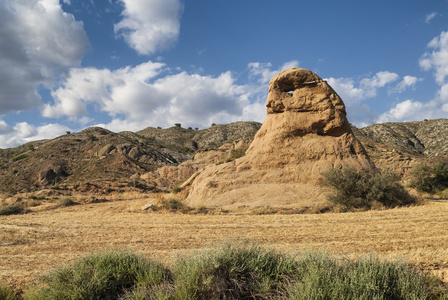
{"points": [[47, 176], [106, 150], [305, 133]]}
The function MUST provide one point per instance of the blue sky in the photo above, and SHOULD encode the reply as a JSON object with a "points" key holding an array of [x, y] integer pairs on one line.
{"points": [[127, 64]]}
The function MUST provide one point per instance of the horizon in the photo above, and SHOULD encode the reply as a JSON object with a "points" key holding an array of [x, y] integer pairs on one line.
{"points": [[125, 65]]}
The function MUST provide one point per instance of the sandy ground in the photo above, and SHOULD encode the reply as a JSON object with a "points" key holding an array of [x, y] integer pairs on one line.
{"points": [[35, 243]]}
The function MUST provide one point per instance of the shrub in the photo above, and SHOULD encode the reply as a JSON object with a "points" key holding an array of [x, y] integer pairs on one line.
{"points": [[237, 153], [238, 271], [12, 209], [177, 189], [66, 201], [7, 293], [19, 157], [364, 189], [323, 276], [431, 178], [233, 271], [174, 205], [102, 275]]}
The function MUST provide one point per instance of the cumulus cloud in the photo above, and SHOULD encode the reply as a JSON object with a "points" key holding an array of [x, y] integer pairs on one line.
{"points": [[37, 41], [140, 96], [149, 25], [355, 92], [365, 88], [263, 72], [24, 132], [436, 59], [411, 110], [406, 83]]}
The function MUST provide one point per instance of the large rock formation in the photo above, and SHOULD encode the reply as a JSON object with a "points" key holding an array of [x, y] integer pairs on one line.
{"points": [[305, 132]]}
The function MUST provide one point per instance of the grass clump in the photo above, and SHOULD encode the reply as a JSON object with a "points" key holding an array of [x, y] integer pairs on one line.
{"points": [[12, 209], [102, 275], [20, 157], [7, 293], [365, 189], [66, 201]]}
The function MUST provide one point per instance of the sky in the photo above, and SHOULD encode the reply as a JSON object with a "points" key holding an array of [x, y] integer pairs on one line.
{"points": [[125, 65]]}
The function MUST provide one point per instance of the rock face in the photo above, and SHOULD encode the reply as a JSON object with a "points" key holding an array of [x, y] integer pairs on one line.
{"points": [[305, 132]]}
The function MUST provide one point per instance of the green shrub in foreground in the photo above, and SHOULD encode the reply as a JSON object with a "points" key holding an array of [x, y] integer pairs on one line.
{"points": [[233, 271], [238, 271], [7, 293], [102, 275], [365, 189], [326, 277]]}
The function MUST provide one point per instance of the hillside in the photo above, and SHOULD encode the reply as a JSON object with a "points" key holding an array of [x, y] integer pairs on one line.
{"points": [[427, 137], [100, 161]]}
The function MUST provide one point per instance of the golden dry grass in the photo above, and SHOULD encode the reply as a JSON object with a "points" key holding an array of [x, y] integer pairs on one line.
{"points": [[34, 243]]}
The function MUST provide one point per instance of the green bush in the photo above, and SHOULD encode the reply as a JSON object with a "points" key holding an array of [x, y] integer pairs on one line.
{"points": [[173, 205], [7, 293], [431, 178], [237, 153], [102, 275], [66, 201], [233, 271], [323, 276], [238, 271], [12, 209], [366, 188], [19, 157]]}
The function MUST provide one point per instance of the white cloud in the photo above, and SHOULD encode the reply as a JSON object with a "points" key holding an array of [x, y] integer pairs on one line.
{"points": [[264, 72], [149, 25], [135, 96], [407, 82], [371, 85], [346, 89], [437, 58], [354, 93], [351, 91], [37, 41], [411, 110], [429, 17], [23, 133]]}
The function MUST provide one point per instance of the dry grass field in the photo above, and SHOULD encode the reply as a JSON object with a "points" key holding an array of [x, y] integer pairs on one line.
{"points": [[34, 243]]}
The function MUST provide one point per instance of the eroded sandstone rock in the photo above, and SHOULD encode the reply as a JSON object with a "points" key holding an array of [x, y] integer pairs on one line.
{"points": [[305, 132]]}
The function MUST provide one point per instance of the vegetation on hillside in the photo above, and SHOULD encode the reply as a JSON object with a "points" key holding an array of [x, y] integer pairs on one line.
{"points": [[365, 189], [431, 178], [237, 271]]}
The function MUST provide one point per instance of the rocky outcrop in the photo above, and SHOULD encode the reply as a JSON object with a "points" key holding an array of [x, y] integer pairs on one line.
{"points": [[305, 132]]}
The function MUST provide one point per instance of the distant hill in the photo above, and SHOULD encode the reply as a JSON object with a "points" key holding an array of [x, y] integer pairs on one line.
{"points": [[427, 137], [98, 160]]}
